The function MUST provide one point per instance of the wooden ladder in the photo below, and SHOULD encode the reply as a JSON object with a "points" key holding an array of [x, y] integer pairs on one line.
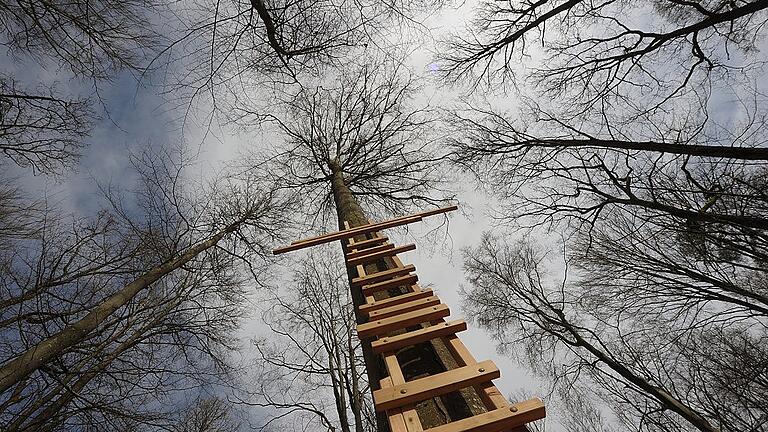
{"points": [[421, 309]]}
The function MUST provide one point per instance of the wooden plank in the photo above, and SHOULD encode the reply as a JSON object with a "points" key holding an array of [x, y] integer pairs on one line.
{"points": [[499, 419], [382, 275], [393, 367], [392, 301], [366, 243], [402, 420], [386, 325], [391, 283], [394, 416], [391, 343], [364, 252], [404, 307], [381, 254], [434, 385], [340, 235], [490, 395]]}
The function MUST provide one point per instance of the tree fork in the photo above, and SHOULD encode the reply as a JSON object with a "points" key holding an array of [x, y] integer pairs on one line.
{"points": [[425, 358]]}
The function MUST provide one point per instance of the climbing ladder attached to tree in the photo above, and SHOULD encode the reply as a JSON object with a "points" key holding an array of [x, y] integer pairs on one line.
{"points": [[412, 316]]}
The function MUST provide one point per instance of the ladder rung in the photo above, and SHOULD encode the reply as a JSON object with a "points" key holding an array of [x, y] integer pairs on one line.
{"points": [[392, 301], [382, 275], [434, 385], [391, 343], [381, 254], [340, 235], [359, 253], [391, 283], [365, 243], [498, 419], [404, 307], [386, 325]]}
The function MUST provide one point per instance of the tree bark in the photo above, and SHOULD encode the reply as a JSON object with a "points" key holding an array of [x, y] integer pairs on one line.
{"points": [[44, 351], [422, 359]]}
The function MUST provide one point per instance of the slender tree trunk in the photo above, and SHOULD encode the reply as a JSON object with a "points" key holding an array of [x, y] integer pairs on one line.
{"points": [[353, 387], [44, 351], [660, 394], [349, 210], [422, 359]]}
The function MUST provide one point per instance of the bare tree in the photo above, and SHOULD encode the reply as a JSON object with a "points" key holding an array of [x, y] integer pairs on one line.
{"points": [[367, 129], [240, 55], [364, 145], [44, 128], [597, 52], [102, 337], [311, 364], [209, 415], [638, 355]]}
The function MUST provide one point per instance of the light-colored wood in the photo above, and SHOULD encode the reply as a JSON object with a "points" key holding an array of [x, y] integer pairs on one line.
{"points": [[434, 385], [340, 235], [363, 252], [394, 416], [404, 307], [423, 214], [386, 325], [499, 419], [490, 395], [391, 283], [405, 419], [366, 243], [393, 367], [391, 343], [392, 301], [381, 254], [382, 275]]}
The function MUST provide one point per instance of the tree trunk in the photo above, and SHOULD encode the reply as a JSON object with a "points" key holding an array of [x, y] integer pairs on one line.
{"points": [[659, 393], [44, 351], [422, 359]]}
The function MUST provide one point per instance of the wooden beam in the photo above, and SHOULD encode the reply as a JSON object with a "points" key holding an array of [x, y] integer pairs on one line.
{"points": [[499, 419], [391, 343], [363, 252], [399, 218], [340, 235], [381, 254], [395, 416], [396, 300], [404, 307], [386, 325], [382, 275], [391, 283], [365, 243], [434, 385]]}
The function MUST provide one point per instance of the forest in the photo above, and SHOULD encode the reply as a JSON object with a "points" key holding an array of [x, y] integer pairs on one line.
{"points": [[609, 162]]}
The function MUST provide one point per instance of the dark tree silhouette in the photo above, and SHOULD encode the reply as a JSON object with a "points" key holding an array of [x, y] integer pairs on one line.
{"points": [[645, 364], [310, 366], [105, 318]]}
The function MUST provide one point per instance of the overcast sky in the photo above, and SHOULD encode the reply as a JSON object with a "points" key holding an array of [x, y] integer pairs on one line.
{"points": [[136, 116]]}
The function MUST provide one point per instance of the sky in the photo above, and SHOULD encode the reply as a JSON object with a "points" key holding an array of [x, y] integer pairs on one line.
{"points": [[136, 116]]}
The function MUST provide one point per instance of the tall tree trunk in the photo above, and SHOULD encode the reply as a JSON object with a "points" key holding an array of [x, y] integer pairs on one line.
{"points": [[664, 397], [44, 351], [422, 359]]}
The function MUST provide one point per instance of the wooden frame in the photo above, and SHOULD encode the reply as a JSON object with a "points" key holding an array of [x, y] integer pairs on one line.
{"points": [[418, 308]]}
